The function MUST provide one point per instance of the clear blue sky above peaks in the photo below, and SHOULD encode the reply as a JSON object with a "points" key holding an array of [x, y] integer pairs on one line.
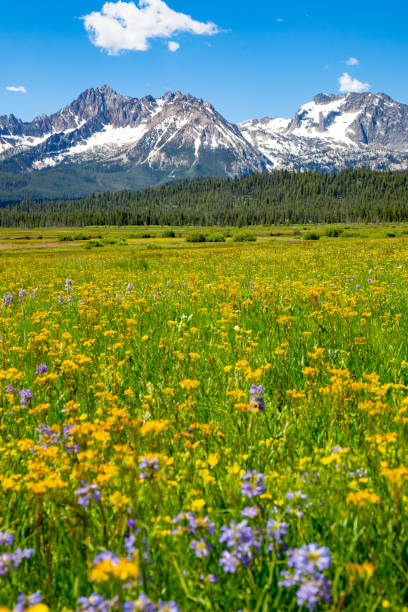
{"points": [[249, 60]]}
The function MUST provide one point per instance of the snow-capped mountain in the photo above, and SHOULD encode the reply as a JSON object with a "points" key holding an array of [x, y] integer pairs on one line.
{"points": [[101, 126], [335, 131], [104, 140]]}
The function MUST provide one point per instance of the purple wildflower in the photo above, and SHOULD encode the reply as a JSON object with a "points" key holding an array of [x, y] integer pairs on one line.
{"points": [[8, 299], [142, 603], [170, 606], [14, 559], [256, 399], [312, 591], [25, 601], [275, 531], [97, 603], [228, 562], [6, 538], [150, 466], [250, 511], [25, 397], [88, 493], [42, 368], [200, 548], [306, 563], [253, 484]]}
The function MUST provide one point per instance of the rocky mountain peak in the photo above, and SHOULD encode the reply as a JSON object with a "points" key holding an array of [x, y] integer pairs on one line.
{"points": [[178, 135]]}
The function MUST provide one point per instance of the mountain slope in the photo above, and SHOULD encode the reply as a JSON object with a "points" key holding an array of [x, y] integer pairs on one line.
{"points": [[106, 141], [336, 131], [102, 127]]}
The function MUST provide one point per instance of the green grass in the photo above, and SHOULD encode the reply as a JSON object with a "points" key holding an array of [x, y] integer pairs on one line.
{"points": [[152, 353]]}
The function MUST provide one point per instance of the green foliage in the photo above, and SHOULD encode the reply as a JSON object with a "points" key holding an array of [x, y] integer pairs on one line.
{"points": [[311, 236], [66, 239], [244, 237], [196, 237], [93, 244], [81, 236], [112, 241], [334, 232], [169, 233], [216, 238]]}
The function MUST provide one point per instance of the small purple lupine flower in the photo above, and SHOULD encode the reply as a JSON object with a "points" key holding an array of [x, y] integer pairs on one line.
{"points": [[6, 538], [250, 511], [253, 484], [236, 532], [299, 497], [97, 603], [211, 578], [256, 398], [243, 540], [228, 562], [306, 563], [130, 540], [169, 606], [192, 524], [25, 397], [199, 524], [288, 578], [311, 558], [312, 591], [105, 556], [20, 554], [150, 466], [10, 389], [88, 493], [200, 548], [21, 294], [8, 299], [14, 559], [142, 604], [68, 284], [42, 368], [275, 531], [25, 601]]}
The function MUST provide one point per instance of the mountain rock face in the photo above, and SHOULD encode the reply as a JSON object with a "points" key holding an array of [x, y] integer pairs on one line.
{"points": [[101, 126], [335, 131], [104, 140]]}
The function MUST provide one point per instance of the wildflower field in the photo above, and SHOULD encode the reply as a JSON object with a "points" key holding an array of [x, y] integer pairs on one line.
{"points": [[205, 427]]}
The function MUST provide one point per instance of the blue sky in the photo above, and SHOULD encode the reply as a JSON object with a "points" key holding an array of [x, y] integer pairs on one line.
{"points": [[249, 59]]}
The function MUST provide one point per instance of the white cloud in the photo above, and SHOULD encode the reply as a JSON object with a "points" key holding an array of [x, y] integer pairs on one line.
{"points": [[173, 46], [352, 61], [350, 85], [279, 20], [20, 89], [124, 26]]}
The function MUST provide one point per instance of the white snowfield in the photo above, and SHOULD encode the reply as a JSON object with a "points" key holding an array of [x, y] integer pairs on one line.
{"points": [[338, 124]]}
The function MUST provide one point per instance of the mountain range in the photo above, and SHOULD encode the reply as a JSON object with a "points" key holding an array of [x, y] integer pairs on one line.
{"points": [[106, 141]]}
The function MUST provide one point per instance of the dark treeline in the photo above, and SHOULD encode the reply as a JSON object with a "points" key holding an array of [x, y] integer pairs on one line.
{"points": [[278, 198]]}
